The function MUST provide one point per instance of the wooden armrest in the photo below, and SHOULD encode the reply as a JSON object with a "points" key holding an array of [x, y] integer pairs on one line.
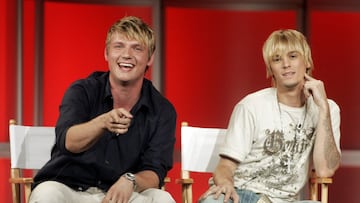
{"points": [[167, 180], [185, 181], [21, 180], [318, 180]]}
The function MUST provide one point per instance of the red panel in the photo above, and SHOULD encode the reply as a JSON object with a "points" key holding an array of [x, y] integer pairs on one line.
{"points": [[3, 57], [28, 61], [74, 45], [5, 192], [213, 59], [7, 86], [345, 187], [335, 37], [7, 66]]}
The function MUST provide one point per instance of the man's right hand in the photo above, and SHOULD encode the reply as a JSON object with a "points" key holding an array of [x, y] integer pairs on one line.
{"points": [[118, 121]]}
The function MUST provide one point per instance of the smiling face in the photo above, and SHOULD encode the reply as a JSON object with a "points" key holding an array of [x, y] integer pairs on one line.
{"points": [[288, 69], [287, 56], [128, 59], [129, 51]]}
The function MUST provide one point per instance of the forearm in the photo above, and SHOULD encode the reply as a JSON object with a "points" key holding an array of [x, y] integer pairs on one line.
{"points": [[224, 172], [326, 155], [146, 179], [82, 136]]}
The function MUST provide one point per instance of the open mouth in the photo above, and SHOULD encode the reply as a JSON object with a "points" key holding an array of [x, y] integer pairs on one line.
{"points": [[126, 65]]}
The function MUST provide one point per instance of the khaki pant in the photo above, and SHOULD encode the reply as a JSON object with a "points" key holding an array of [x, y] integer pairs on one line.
{"points": [[55, 192]]}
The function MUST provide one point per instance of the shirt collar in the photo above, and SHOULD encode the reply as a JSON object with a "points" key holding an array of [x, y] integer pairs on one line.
{"points": [[145, 95]]}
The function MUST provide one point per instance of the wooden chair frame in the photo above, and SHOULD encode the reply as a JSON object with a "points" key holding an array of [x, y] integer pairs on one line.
{"points": [[21, 150]]}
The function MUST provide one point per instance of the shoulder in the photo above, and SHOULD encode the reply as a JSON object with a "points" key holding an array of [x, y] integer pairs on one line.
{"points": [[95, 81], [333, 105], [258, 102], [93, 86], [94, 78], [260, 97], [155, 99]]}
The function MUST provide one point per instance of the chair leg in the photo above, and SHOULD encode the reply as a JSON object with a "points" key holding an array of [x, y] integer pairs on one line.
{"points": [[27, 188], [187, 193], [324, 193], [313, 191], [16, 194]]}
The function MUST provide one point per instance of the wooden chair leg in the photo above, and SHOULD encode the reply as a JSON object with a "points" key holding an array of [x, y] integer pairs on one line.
{"points": [[27, 188], [313, 191], [16, 193], [187, 193], [324, 193]]}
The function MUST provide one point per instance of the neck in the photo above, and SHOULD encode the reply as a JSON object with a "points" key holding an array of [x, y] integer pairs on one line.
{"points": [[125, 95], [295, 98]]}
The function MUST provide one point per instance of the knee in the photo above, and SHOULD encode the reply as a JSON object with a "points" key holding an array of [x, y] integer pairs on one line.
{"points": [[158, 196], [47, 191], [165, 197]]}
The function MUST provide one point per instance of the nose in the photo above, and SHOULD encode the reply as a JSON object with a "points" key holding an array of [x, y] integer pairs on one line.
{"points": [[286, 62], [126, 53]]}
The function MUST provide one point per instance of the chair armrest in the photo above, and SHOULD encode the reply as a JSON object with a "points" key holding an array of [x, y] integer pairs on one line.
{"points": [[318, 180], [314, 186], [21, 180], [184, 181], [167, 180]]}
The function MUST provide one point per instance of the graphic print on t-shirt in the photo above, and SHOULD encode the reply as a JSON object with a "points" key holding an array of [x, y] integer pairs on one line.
{"points": [[287, 152]]}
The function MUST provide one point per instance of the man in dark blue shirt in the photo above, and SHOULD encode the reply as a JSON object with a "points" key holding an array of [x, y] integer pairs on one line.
{"points": [[115, 134]]}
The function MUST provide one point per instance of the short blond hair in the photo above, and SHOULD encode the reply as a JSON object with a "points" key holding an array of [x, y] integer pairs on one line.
{"points": [[133, 28], [283, 40]]}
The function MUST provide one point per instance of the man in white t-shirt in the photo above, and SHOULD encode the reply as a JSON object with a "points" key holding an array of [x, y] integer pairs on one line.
{"points": [[275, 134]]}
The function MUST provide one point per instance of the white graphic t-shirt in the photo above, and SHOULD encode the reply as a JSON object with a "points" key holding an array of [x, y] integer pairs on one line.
{"points": [[273, 143]]}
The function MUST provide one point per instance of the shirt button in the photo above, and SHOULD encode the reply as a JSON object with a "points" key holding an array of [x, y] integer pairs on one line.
{"points": [[106, 162], [99, 182]]}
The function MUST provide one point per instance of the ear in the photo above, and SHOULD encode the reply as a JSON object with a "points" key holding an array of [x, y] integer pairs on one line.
{"points": [[269, 72], [151, 60], [105, 54]]}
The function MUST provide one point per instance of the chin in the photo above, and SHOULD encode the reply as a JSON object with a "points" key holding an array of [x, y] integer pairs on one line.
{"points": [[291, 85]]}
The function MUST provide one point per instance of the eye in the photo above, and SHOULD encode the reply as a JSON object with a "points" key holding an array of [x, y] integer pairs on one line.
{"points": [[118, 45], [276, 58], [294, 55], [139, 48]]}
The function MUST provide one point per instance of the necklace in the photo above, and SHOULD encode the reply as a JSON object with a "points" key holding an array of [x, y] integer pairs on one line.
{"points": [[298, 129], [299, 126]]}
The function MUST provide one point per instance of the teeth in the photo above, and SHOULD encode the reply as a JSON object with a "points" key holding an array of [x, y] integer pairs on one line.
{"points": [[127, 65]]}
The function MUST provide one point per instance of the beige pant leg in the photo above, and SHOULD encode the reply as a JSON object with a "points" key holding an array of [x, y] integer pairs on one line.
{"points": [[55, 192], [152, 195]]}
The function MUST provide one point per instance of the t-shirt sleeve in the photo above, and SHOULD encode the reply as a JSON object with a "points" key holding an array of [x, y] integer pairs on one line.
{"points": [[335, 122], [239, 135]]}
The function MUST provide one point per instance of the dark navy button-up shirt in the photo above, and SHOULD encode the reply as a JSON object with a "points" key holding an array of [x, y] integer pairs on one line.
{"points": [[148, 144]]}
